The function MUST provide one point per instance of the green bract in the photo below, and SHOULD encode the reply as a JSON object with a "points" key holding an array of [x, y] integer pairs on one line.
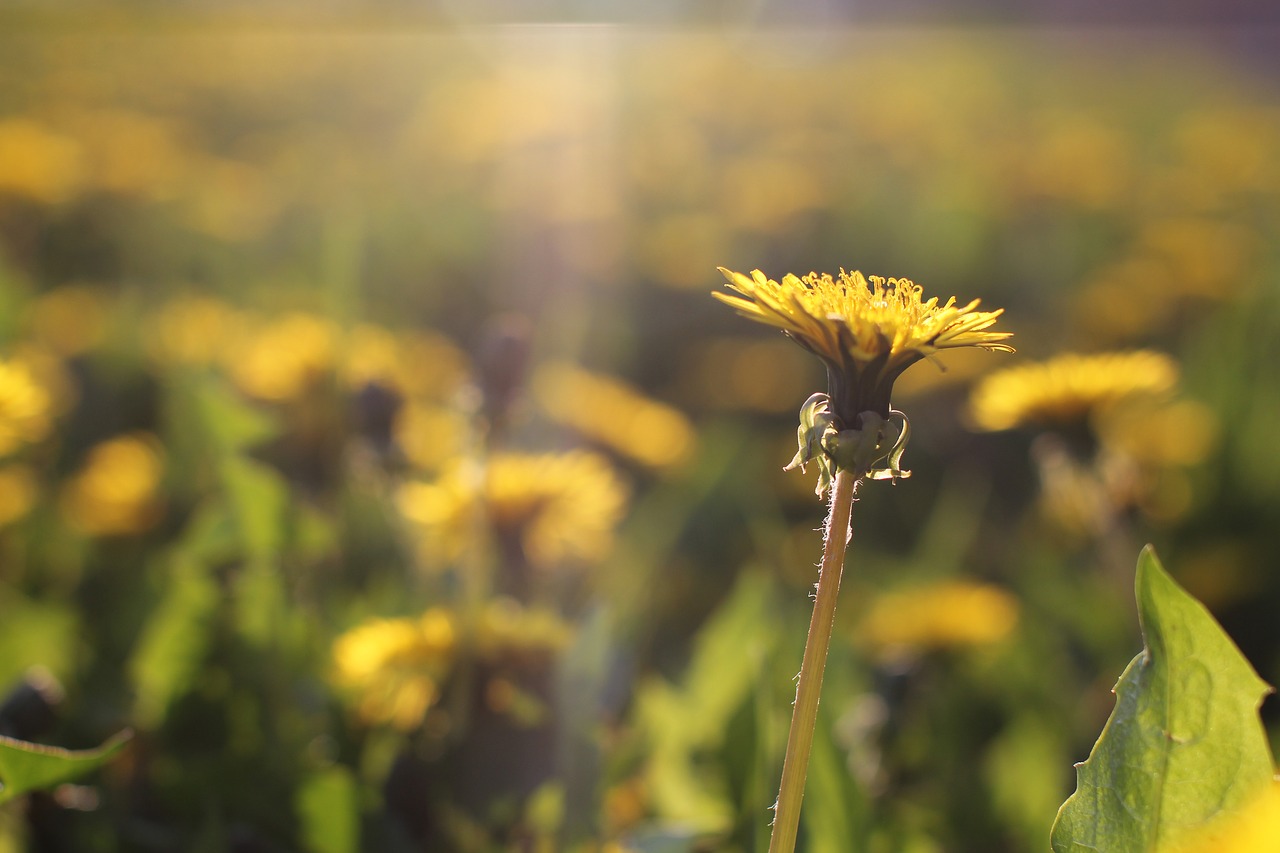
{"points": [[820, 439]]}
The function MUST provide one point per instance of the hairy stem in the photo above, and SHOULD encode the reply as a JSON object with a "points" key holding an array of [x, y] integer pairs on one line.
{"points": [[804, 715]]}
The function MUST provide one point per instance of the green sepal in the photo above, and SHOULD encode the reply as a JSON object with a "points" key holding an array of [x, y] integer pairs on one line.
{"points": [[893, 459], [817, 428], [879, 440], [820, 439]]}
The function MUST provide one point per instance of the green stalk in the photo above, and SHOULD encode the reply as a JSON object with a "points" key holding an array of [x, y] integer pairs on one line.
{"points": [[804, 715]]}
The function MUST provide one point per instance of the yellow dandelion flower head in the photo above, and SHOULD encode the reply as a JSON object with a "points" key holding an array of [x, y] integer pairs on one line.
{"points": [[509, 631], [421, 365], [1069, 389], [560, 507], [516, 647], [71, 320], [25, 406], [943, 614], [281, 359], [867, 330], [115, 493], [393, 667], [1172, 433], [613, 413], [192, 330], [19, 490], [431, 436], [39, 163]]}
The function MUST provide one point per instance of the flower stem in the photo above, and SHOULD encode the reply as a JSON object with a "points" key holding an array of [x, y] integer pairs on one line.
{"points": [[804, 714]]}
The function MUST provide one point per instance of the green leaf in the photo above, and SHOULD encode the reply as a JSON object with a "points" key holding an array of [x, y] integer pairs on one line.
{"points": [[28, 767], [832, 804], [36, 633], [1184, 744], [259, 500], [229, 423], [174, 640], [329, 811], [727, 655], [681, 724]]}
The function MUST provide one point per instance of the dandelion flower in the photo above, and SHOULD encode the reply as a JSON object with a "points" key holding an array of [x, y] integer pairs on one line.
{"points": [[38, 163], [115, 492], [71, 320], [866, 331], [19, 490], [280, 360], [1069, 389], [430, 436], [946, 614], [554, 507], [615, 414], [393, 667], [508, 630], [1118, 433], [192, 330], [419, 365], [25, 406]]}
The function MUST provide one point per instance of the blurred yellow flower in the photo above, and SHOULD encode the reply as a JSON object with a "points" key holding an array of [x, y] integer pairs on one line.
{"points": [[675, 248], [115, 492], [1253, 828], [416, 365], [18, 491], [1208, 258], [610, 412], [431, 366], [1135, 289], [1223, 151], [943, 614], [281, 359], [1173, 259], [37, 162], [760, 193], [866, 332], [371, 354], [191, 330], [134, 154], [394, 667], [742, 374], [510, 630], [555, 507], [1081, 498], [518, 646], [431, 437], [1069, 388], [1136, 435], [25, 406], [625, 805], [1078, 159], [71, 320], [232, 201], [1179, 432]]}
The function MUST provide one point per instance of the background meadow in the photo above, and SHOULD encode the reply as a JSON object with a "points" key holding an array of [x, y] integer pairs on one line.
{"points": [[371, 447]]}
